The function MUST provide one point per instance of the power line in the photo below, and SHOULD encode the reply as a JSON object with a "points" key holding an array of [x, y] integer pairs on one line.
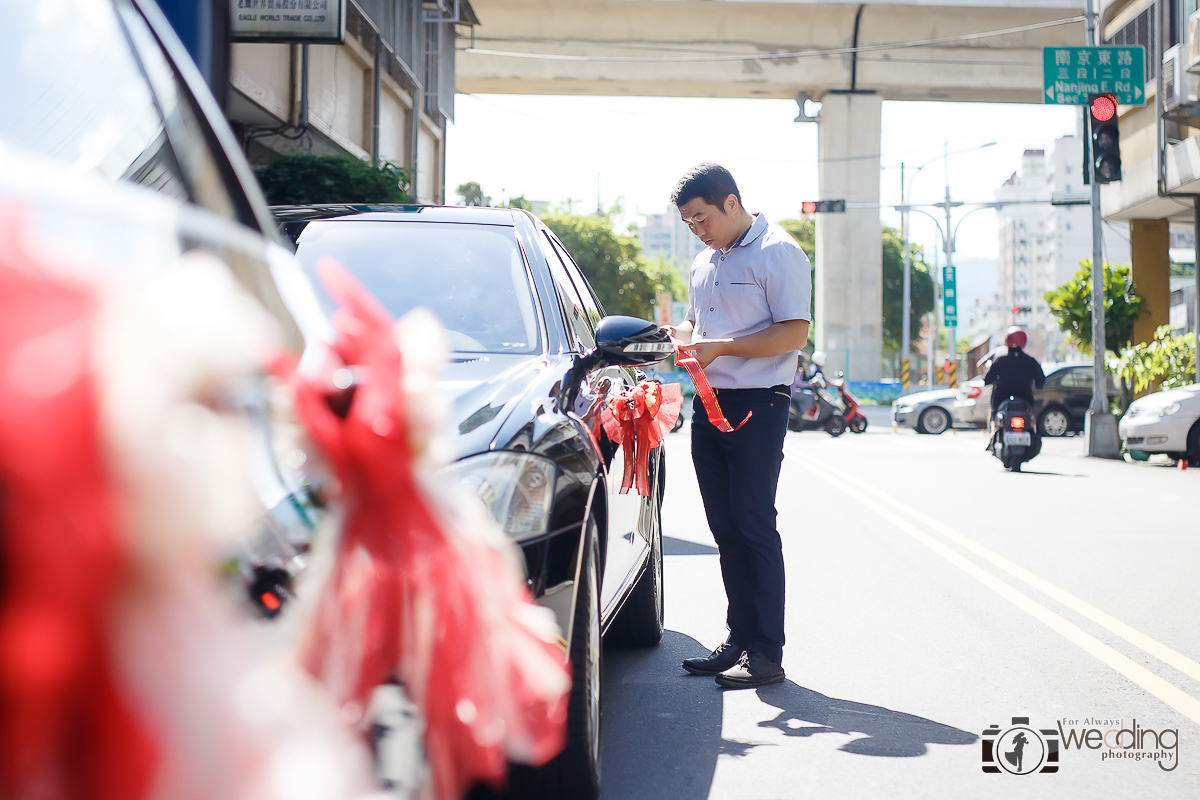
{"points": [[965, 37]]}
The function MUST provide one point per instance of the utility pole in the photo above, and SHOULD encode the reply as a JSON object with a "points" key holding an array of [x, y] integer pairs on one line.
{"points": [[1100, 426], [906, 306]]}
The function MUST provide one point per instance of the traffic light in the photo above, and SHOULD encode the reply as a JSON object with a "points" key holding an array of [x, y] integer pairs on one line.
{"points": [[823, 207], [1022, 309], [1106, 137]]}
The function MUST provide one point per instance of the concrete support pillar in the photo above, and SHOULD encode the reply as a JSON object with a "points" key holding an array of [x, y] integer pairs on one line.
{"points": [[1149, 240], [849, 290]]}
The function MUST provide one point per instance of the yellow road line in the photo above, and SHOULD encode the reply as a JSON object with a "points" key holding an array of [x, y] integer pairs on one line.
{"points": [[1110, 623], [873, 499]]}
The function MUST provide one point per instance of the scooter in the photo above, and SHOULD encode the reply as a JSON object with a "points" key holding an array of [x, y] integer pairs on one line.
{"points": [[855, 420], [1015, 439], [825, 414]]}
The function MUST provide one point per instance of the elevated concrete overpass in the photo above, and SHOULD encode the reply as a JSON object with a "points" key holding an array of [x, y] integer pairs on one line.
{"points": [[850, 56]]}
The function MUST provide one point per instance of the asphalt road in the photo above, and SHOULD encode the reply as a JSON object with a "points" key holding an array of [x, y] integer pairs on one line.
{"points": [[930, 595]]}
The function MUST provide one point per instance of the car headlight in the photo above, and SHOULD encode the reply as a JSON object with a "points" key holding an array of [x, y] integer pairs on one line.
{"points": [[1167, 411], [903, 409], [516, 489]]}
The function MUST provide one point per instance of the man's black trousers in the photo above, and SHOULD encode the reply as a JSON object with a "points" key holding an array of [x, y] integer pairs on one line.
{"points": [[738, 474]]}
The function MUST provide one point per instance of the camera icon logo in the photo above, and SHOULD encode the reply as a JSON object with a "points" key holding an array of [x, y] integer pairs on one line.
{"points": [[1020, 749]]}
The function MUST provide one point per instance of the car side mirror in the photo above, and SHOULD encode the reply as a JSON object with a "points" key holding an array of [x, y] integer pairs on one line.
{"points": [[629, 341]]}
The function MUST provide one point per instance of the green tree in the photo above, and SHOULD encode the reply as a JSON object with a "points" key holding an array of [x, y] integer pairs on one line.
{"points": [[304, 178], [920, 291], [613, 264], [1169, 361], [471, 194], [519, 202], [667, 277], [1071, 306]]}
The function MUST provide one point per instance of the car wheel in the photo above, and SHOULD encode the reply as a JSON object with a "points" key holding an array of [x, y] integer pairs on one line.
{"points": [[1054, 421], [835, 426], [575, 772], [640, 621], [933, 420]]}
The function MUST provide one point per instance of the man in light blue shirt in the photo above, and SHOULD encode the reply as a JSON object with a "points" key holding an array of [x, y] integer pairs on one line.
{"points": [[748, 316]]}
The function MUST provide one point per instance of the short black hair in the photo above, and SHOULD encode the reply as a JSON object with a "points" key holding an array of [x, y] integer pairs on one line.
{"points": [[712, 183]]}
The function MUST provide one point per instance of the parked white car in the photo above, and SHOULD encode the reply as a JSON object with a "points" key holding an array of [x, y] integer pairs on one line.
{"points": [[1164, 422]]}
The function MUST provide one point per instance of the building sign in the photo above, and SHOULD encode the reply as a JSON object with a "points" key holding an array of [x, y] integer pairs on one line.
{"points": [[1070, 74], [314, 21], [949, 298]]}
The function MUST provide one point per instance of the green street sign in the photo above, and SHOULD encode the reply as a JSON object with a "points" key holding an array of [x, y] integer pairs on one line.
{"points": [[1070, 74], [949, 298]]}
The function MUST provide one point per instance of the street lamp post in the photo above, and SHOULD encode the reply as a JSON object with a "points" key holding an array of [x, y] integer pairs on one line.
{"points": [[947, 241]]}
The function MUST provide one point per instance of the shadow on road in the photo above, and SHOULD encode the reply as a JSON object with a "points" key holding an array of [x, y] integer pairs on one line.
{"points": [[662, 727], [682, 547], [804, 713]]}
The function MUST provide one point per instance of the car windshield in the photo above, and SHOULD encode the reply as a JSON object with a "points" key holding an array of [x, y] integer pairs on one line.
{"points": [[74, 92], [471, 276]]}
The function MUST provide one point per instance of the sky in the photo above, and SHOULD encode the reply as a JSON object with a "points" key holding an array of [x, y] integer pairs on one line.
{"points": [[632, 150]]}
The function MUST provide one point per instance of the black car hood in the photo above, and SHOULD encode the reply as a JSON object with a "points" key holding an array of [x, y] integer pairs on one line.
{"points": [[484, 391]]}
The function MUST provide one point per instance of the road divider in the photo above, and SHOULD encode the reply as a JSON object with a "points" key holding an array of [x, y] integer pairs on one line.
{"points": [[934, 535]]}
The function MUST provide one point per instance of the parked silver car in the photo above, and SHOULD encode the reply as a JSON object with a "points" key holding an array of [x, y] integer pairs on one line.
{"points": [[925, 412]]}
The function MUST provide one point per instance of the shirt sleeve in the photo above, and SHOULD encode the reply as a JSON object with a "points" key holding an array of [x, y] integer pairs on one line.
{"points": [[787, 282], [991, 376]]}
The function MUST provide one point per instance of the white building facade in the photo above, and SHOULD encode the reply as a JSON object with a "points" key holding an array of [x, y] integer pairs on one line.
{"points": [[1041, 246], [668, 236]]}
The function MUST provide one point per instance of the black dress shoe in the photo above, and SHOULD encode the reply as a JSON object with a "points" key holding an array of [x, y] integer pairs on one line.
{"points": [[752, 670], [721, 659]]}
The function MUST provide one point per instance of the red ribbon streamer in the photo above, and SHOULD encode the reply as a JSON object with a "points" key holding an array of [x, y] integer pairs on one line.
{"points": [[708, 395], [67, 730], [638, 419], [408, 597]]}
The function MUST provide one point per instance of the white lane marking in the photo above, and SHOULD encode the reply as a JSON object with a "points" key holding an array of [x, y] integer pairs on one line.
{"points": [[1110, 623], [1165, 691]]}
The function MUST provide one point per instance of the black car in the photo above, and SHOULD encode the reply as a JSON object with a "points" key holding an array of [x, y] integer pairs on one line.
{"points": [[1061, 405], [532, 350]]}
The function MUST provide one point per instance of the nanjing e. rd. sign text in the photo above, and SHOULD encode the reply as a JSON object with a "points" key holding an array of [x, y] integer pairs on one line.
{"points": [[1070, 74]]}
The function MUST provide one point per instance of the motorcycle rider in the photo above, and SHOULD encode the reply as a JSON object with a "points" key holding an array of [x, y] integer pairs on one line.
{"points": [[803, 398], [1014, 374], [816, 367]]}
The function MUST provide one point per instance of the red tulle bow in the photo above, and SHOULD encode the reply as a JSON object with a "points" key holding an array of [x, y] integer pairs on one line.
{"points": [[410, 599], [708, 395], [638, 419]]}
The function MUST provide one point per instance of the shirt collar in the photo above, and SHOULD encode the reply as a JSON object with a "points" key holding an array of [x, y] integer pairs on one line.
{"points": [[753, 232]]}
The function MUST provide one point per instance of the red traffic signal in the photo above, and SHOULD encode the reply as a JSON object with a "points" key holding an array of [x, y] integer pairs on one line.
{"points": [[1103, 107], [1105, 138], [823, 207]]}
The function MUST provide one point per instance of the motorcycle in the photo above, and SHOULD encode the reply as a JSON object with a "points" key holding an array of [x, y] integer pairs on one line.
{"points": [[1015, 439], [826, 412], [855, 420]]}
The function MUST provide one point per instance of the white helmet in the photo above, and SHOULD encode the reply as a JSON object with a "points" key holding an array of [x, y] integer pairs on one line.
{"points": [[819, 358]]}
